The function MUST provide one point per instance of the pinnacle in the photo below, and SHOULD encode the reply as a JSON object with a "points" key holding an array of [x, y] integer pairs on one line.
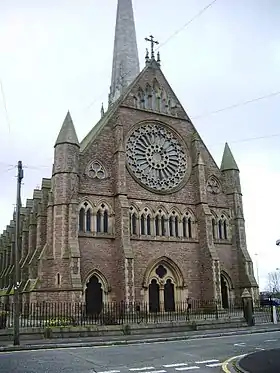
{"points": [[67, 134], [228, 161]]}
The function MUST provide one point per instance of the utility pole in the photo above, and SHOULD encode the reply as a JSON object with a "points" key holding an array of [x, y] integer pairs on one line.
{"points": [[17, 269]]}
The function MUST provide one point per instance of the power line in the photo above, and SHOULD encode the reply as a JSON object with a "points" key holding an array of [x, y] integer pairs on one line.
{"points": [[186, 24], [164, 43], [237, 105], [248, 139], [5, 107]]}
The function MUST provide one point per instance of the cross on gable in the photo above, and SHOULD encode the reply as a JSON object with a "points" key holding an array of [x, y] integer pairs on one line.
{"points": [[153, 42]]}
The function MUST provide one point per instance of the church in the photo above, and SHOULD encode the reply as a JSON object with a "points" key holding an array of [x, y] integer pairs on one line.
{"points": [[138, 211]]}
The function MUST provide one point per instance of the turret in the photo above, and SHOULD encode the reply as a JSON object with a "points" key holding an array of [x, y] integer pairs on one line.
{"points": [[232, 187], [66, 162]]}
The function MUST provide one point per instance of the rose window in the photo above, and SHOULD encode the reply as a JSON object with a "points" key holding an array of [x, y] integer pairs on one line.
{"points": [[156, 157]]}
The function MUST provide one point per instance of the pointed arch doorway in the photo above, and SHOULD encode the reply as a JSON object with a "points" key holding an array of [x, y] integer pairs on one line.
{"points": [[226, 290], [163, 286], [93, 296]]}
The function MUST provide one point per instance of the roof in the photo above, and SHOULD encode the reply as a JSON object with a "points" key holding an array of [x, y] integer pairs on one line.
{"points": [[228, 161]]}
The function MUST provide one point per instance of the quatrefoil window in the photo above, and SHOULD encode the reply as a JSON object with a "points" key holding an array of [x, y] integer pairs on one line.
{"points": [[161, 271], [96, 170]]}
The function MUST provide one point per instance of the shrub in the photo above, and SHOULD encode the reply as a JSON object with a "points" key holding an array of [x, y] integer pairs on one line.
{"points": [[60, 321]]}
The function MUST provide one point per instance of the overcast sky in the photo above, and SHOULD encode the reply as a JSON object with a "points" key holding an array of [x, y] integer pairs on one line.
{"points": [[56, 55]]}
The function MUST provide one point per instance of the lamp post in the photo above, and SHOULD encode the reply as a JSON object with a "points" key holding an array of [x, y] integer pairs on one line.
{"points": [[257, 268]]}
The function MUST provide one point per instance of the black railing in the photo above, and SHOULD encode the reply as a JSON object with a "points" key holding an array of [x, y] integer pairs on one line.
{"points": [[47, 314]]}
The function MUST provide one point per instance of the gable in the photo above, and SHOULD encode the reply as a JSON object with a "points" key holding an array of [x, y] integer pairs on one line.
{"points": [[151, 93], [151, 97]]}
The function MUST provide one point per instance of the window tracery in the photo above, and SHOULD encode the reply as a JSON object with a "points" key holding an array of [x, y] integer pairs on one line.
{"points": [[213, 185], [95, 170], [156, 157], [97, 220], [155, 98], [85, 217], [220, 227], [133, 217], [102, 219], [146, 222], [188, 222]]}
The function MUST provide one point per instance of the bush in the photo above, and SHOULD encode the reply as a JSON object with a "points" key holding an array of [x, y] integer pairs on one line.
{"points": [[60, 321]]}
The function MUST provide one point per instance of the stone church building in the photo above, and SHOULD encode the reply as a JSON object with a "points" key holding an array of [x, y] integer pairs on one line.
{"points": [[138, 211]]}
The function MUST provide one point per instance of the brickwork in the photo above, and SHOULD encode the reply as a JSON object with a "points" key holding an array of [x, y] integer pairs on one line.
{"points": [[88, 219]]}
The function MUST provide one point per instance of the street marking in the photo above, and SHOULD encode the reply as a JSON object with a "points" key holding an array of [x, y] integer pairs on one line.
{"points": [[260, 349], [214, 365], [240, 344], [270, 340], [140, 369], [157, 371], [226, 363], [175, 365], [111, 371], [187, 368], [207, 361]]}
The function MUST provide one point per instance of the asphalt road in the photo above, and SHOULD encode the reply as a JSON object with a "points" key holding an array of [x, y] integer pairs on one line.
{"points": [[197, 355]]}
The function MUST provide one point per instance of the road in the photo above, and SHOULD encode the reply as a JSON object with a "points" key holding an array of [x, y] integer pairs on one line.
{"points": [[196, 355]]}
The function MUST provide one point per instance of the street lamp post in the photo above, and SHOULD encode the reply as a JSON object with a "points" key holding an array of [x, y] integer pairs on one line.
{"points": [[257, 268]]}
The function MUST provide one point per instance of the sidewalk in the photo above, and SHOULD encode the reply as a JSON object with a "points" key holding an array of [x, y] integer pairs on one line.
{"points": [[260, 362], [6, 346]]}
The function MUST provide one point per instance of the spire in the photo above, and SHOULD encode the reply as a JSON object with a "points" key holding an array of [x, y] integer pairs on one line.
{"points": [[67, 134], [125, 59], [228, 161]]}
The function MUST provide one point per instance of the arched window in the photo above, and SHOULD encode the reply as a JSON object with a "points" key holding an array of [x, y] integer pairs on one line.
{"points": [[88, 221], [98, 221], [185, 229], [171, 233], [188, 223], [225, 230], [162, 226], [133, 219], [142, 219], [214, 228], [148, 225], [105, 221], [176, 226], [85, 217], [190, 227], [157, 225], [82, 220], [220, 229], [133, 223], [103, 216]]}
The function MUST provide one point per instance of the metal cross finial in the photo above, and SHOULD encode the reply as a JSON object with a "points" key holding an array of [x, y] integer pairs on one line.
{"points": [[153, 42]]}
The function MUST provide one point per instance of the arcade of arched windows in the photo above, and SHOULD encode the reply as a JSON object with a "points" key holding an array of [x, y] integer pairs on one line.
{"points": [[154, 97], [220, 227], [162, 223], [97, 220]]}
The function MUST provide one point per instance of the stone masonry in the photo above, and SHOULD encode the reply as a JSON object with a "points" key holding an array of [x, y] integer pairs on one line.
{"points": [[137, 208]]}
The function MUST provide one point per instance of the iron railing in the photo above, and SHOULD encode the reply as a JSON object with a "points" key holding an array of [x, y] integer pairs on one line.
{"points": [[48, 314]]}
